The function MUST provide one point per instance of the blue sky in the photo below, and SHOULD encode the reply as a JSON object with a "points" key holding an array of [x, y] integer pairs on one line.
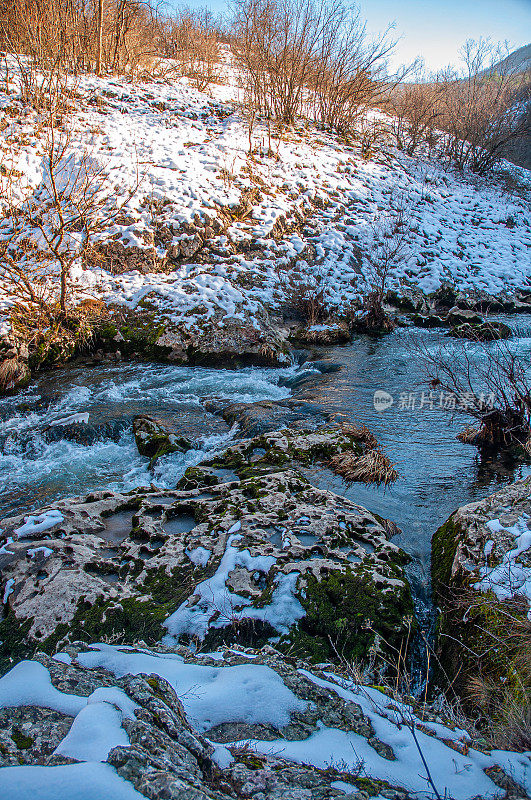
{"points": [[436, 29]]}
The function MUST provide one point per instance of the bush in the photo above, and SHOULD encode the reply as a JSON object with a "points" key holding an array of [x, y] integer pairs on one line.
{"points": [[308, 57]]}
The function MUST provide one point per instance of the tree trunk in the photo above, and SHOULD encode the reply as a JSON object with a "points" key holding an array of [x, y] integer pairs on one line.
{"points": [[99, 36]]}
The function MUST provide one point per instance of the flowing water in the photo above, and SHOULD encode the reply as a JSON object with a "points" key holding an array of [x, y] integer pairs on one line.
{"points": [[437, 473], [71, 431]]}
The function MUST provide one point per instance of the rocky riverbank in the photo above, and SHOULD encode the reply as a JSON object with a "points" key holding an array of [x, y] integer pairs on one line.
{"points": [[481, 567], [244, 551], [239, 611]]}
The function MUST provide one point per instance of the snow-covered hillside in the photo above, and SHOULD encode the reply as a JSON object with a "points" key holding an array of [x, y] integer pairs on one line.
{"points": [[211, 229]]}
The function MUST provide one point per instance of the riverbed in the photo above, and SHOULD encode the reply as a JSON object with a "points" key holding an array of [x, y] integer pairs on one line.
{"points": [[70, 431]]}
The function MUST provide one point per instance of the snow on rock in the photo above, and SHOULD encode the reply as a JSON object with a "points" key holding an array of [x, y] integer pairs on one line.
{"points": [[72, 782], [510, 577], [38, 524], [28, 683], [210, 695], [296, 726], [214, 598], [95, 731]]}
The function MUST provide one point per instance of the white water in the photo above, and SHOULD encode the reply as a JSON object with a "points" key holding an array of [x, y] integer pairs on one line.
{"points": [[37, 466]]}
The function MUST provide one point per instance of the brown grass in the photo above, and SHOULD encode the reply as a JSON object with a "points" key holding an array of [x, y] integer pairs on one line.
{"points": [[360, 433], [12, 372], [372, 467]]}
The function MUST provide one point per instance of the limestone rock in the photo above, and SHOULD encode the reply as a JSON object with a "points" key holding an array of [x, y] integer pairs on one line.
{"points": [[154, 439], [481, 569], [261, 554]]}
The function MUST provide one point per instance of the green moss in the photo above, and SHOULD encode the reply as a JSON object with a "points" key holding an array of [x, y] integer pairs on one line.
{"points": [[344, 612], [22, 741], [13, 641], [195, 477], [444, 547], [138, 332]]}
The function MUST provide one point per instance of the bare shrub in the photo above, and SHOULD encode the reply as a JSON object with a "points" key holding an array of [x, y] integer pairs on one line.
{"points": [[350, 72], [190, 38], [106, 35], [480, 113], [414, 107], [488, 381], [307, 56], [306, 293], [387, 249], [45, 233]]}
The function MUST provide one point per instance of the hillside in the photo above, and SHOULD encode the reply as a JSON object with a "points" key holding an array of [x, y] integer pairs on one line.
{"points": [[209, 232]]}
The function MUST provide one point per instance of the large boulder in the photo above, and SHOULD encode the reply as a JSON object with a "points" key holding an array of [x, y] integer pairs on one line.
{"points": [[212, 341], [481, 569], [481, 331], [260, 554], [322, 334]]}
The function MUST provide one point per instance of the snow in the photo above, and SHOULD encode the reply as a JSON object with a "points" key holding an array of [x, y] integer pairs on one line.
{"points": [[210, 695], [199, 556], [95, 731], [38, 524], [29, 683], [511, 576], [96, 728], [453, 773], [75, 782], [216, 607], [189, 151], [8, 590], [35, 551]]}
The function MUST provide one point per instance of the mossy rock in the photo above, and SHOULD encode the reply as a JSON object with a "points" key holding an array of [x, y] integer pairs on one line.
{"points": [[481, 332], [348, 613]]}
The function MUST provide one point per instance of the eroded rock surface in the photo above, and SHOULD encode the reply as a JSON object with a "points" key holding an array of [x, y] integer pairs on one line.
{"points": [[246, 550]]}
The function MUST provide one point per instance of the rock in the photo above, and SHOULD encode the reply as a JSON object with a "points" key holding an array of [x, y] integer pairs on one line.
{"points": [[253, 724], [323, 334], [481, 570], [254, 419], [268, 555], [228, 342], [189, 245], [154, 440], [118, 258], [481, 332], [459, 316], [444, 298], [428, 320]]}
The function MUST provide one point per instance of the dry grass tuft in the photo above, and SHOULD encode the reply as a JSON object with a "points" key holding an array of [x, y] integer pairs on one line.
{"points": [[469, 434], [372, 467], [12, 372], [360, 433]]}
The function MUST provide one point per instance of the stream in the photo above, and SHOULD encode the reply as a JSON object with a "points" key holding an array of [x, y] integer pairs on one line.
{"points": [[70, 431]]}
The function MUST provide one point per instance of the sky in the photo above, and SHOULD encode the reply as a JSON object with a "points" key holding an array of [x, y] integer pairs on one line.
{"points": [[435, 29]]}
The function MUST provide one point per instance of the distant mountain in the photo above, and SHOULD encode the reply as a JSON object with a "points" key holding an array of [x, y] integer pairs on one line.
{"points": [[517, 61]]}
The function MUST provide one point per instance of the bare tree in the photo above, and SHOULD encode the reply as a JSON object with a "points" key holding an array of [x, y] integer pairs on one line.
{"points": [[414, 107], [43, 235], [479, 112]]}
